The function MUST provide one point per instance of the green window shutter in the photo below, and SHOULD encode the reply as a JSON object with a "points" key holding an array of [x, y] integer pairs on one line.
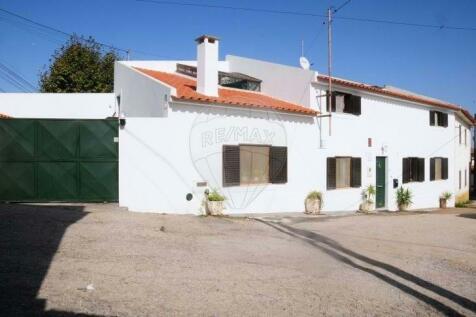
{"points": [[356, 105], [331, 173], [348, 103], [444, 168], [432, 117], [405, 170], [421, 169], [356, 172], [231, 165], [333, 99], [432, 169], [278, 164]]}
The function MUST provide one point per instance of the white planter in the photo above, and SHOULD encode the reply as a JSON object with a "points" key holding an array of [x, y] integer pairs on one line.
{"points": [[367, 207], [313, 206], [214, 208]]}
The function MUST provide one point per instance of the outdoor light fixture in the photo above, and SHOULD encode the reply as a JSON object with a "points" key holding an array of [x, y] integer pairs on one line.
{"points": [[122, 120]]}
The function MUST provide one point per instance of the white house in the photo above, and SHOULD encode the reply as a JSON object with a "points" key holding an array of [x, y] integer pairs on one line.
{"points": [[261, 134]]}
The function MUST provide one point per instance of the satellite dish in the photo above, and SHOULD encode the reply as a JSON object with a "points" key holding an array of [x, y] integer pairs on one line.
{"points": [[304, 63]]}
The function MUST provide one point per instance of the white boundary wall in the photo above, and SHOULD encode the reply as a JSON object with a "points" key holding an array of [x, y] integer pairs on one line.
{"points": [[58, 106]]}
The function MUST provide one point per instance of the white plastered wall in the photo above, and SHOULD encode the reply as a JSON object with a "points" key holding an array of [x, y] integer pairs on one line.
{"points": [[164, 159], [462, 151], [397, 129]]}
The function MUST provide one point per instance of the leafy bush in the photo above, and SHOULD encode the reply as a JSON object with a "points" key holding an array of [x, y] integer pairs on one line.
{"points": [[446, 195], [404, 197], [216, 196], [315, 195], [462, 204]]}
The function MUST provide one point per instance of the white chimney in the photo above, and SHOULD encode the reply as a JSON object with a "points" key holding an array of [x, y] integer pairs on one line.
{"points": [[207, 65]]}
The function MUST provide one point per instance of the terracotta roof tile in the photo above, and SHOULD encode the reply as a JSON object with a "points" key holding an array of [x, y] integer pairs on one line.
{"points": [[397, 94], [186, 90]]}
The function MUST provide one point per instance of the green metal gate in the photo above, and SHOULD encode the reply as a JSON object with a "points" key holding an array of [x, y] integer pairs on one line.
{"points": [[45, 160]]}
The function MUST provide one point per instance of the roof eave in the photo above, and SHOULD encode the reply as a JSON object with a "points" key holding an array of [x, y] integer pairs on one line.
{"points": [[253, 107]]}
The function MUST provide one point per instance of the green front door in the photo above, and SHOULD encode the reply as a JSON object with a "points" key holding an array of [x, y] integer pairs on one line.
{"points": [[380, 182], [58, 160]]}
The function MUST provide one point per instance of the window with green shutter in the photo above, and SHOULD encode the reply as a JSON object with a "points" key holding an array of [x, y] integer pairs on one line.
{"points": [[413, 169], [438, 168], [344, 172], [438, 118], [344, 103], [250, 164]]}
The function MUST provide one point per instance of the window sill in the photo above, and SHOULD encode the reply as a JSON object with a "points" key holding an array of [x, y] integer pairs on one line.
{"points": [[343, 188], [251, 185], [344, 114]]}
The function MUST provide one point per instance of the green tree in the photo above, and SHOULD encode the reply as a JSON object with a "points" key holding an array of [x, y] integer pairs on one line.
{"points": [[79, 66]]}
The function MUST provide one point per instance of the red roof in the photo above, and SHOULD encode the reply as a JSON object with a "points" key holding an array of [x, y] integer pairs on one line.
{"points": [[397, 94], [187, 90]]}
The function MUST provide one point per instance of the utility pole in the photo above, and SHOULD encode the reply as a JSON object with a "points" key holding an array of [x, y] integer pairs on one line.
{"points": [[128, 52], [329, 64]]}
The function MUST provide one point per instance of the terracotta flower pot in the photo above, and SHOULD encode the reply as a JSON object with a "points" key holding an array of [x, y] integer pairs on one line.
{"points": [[402, 207], [443, 203], [313, 206], [214, 208]]}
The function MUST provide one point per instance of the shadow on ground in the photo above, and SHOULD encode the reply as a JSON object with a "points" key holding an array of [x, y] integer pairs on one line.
{"points": [[371, 266], [29, 238], [469, 216]]}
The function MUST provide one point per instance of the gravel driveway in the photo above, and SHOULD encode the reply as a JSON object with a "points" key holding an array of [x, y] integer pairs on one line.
{"points": [[97, 260]]}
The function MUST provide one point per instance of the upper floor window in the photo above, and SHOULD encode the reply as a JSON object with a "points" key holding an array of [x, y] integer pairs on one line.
{"points": [[459, 133], [413, 169], [465, 136], [438, 118], [438, 168], [344, 172], [344, 103]]}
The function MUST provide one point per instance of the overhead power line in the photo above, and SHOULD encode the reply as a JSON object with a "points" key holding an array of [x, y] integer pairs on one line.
{"points": [[57, 30], [341, 6], [43, 27], [309, 14], [17, 77], [9, 79]]}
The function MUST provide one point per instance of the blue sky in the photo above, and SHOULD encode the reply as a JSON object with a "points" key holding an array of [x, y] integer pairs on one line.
{"points": [[437, 62]]}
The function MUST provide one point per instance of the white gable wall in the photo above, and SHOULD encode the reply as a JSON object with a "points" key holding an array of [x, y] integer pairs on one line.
{"points": [[140, 95], [284, 82]]}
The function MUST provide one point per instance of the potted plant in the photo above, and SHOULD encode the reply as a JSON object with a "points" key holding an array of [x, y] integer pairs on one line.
{"points": [[215, 203], [404, 198], [368, 196], [313, 202], [444, 199]]}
